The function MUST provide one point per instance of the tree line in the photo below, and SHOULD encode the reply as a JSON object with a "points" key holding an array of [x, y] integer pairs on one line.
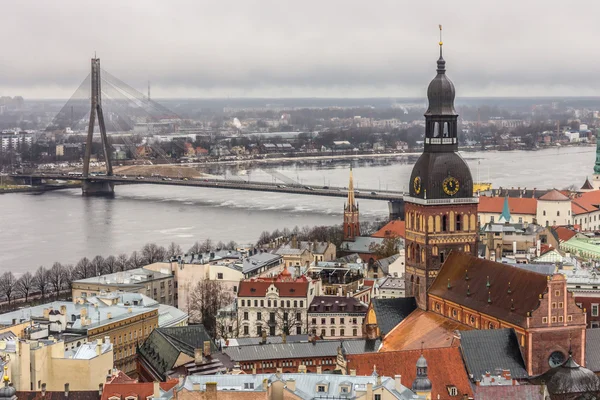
{"points": [[59, 278]]}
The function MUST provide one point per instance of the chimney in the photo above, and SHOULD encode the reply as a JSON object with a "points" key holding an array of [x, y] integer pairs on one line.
{"points": [[100, 387], [398, 383], [264, 337], [278, 372], [66, 390], [196, 387], [378, 380], [99, 347], [352, 372], [319, 369], [43, 390], [206, 348], [198, 359], [283, 338], [291, 385], [253, 370], [265, 384], [156, 392], [294, 244], [369, 391]]}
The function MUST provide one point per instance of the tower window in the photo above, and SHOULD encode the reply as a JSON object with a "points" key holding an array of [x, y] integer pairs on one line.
{"points": [[458, 225], [444, 223], [558, 213], [442, 257], [446, 129], [436, 129]]}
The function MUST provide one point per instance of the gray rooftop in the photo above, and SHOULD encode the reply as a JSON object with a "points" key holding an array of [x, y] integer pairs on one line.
{"points": [[390, 312], [489, 349], [131, 277], [592, 349], [258, 261], [320, 348], [270, 340], [392, 283]]}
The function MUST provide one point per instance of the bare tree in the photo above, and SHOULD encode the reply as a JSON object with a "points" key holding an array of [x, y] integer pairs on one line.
{"points": [[84, 266], [220, 245], [387, 248], [291, 321], [205, 300], [7, 285], [110, 265], [122, 262], [227, 322], [69, 277], [174, 250], [264, 238], [231, 245], [41, 280], [135, 260], [25, 285], [57, 278], [152, 253], [97, 266], [206, 246], [195, 248]]}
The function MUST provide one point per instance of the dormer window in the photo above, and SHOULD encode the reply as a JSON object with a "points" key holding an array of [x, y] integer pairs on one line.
{"points": [[344, 389], [253, 290], [452, 390], [321, 388], [131, 398], [114, 398]]}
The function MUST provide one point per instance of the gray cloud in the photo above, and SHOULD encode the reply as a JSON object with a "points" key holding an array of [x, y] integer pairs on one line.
{"points": [[309, 48]]}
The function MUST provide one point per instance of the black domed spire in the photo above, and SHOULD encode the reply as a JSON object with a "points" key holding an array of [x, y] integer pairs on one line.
{"points": [[440, 172], [440, 92]]}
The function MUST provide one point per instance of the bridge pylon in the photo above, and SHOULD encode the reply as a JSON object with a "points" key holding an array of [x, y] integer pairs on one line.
{"points": [[89, 186]]}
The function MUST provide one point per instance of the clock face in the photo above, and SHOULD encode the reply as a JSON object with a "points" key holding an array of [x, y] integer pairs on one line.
{"points": [[450, 186], [556, 359], [417, 184]]}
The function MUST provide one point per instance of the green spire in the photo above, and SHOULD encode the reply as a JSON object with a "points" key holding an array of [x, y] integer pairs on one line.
{"points": [[449, 286], [506, 211], [597, 165], [490, 297], [488, 282]]}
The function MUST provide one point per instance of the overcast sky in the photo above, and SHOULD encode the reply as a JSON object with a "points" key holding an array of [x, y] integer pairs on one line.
{"points": [[307, 48]]}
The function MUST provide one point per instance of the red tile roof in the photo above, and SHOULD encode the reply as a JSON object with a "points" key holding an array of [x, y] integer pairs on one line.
{"points": [[517, 205], [564, 233], [444, 368], [255, 288], [391, 229], [141, 390], [586, 202], [525, 287], [120, 377], [431, 329], [554, 195]]}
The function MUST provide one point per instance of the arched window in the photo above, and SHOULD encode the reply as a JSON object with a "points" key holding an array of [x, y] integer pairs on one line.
{"points": [[451, 222], [418, 226], [473, 222], [446, 129], [465, 222], [430, 224], [558, 213], [437, 223], [434, 250], [467, 248], [423, 254], [444, 223], [436, 129], [418, 253], [544, 212], [458, 222]]}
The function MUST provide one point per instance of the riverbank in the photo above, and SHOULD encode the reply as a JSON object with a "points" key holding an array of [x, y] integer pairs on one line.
{"points": [[37, 189]]}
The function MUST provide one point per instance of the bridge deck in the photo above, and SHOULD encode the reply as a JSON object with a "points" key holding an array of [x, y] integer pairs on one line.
{"points": [[224, 184]]}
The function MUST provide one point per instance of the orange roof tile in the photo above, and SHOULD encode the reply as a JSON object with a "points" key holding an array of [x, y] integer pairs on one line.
{"points": [[251, 288], [121, 377], [554, 195], [586, 202], [141, 390], [391, 229], [432, 329], [564, 233], [517, 205], [445, 367]]}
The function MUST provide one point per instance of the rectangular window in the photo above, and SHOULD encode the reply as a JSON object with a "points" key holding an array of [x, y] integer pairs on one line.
{"points": [[354, 332], [569, 318], [298, 316], [314, 321], [298, 330], [246, 315], [262, 303], [259, 316], [557, 293], [246, 330], [322, 321], [255, 303], [220, 275], [377, 397], [259, 330], [560, 305], [553, 305], [301, 304], [544, 320], [332, 321], [553, 319], [595, 310], [341, 332], [342, 321]]}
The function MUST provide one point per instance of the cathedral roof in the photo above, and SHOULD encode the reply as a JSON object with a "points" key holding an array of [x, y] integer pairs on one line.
{"points": [[499, 290]]}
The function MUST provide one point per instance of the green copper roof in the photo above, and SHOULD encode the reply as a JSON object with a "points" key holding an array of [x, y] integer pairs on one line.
{"points": [[505, 212]]}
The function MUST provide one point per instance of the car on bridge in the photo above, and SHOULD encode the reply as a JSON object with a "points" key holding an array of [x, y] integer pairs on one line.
{"points": [[374, 193]]}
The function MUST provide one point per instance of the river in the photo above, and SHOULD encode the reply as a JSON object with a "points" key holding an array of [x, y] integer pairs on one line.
{"points": [[64, 226]]}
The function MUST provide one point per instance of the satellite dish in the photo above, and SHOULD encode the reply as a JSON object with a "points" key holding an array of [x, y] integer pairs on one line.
{"points": [[358, 260]]}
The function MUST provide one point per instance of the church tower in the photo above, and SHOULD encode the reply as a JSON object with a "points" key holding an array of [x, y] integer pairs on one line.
{"points": [[351, 223], [440, 210]]}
